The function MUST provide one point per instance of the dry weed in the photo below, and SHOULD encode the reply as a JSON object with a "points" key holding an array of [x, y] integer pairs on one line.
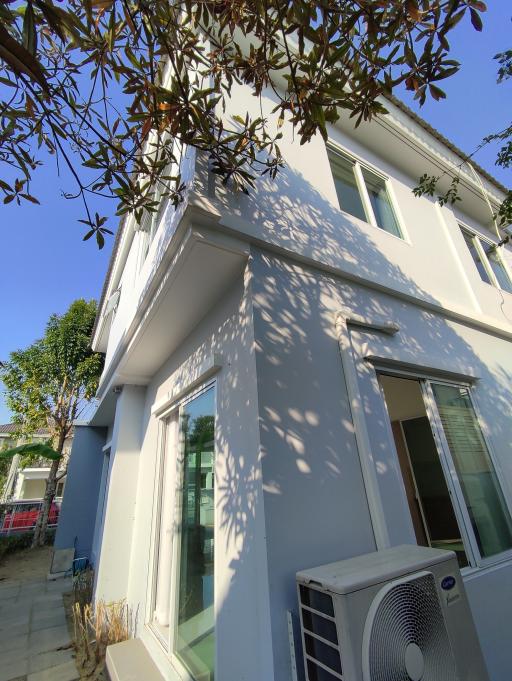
{"points": [[96, 627]]}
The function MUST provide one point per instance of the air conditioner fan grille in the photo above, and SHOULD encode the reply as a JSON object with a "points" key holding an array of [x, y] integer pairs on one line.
{"points": [[406, 624]]}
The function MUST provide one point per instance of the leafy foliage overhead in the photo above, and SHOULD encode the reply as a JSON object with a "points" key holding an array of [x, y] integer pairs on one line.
{"points": [[115, 88]]}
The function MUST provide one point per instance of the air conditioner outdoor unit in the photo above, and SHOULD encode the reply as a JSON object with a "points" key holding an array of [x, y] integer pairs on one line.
{"points": [[395, 615]]}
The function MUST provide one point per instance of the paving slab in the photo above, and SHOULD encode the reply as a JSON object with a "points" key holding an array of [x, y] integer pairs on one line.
{"points": [[48, 639], [63, 672], [43, 600], [35, 643], [8, 591], [46, 620], [13, 669], [53, 658], [13, 619], [16, 646], [15, 630]]}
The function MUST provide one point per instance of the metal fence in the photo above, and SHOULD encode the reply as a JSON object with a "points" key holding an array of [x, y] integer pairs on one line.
{"points": [[21, 516]]}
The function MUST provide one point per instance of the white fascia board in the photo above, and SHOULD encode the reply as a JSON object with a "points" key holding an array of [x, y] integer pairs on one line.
{"points": [[406, 127], [189, 242]]}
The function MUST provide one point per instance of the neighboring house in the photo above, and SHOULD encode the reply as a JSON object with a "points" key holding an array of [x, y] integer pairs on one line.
{"points": [[312, 372], [28, 482]]}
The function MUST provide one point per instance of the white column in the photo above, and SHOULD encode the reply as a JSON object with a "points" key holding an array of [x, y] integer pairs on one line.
{"points": [[114, 562]]}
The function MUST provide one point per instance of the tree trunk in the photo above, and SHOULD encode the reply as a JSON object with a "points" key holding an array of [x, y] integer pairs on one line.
{"points": [[49, 494]]}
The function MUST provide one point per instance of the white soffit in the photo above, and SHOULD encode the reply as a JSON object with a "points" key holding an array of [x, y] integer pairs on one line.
{"points": [[206, 268]]}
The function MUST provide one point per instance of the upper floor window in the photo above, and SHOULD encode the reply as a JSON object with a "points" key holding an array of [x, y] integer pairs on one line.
{"points": [[363, 193], [152, 219], [488, 261]]}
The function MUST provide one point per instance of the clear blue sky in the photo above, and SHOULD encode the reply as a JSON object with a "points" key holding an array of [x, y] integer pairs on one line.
{"points": [[45, 265]]}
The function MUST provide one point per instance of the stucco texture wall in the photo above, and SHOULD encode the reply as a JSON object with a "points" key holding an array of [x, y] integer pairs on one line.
{"points": [[240, 555], [314, 498]]}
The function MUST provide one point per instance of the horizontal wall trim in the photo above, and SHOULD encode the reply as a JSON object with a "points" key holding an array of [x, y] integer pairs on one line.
{"points": [[420, 369], [461, 317]]}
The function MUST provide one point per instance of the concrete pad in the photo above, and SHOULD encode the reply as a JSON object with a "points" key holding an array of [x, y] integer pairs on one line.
{"points": [[8, 591], [12, 620], [59, 585], [10, 657], [31, 589], [12, 670], [63, 672], [45, 599], [53, 658], [8, 603], [48, 639], [15, 631], [10, 648], [47, 620]]}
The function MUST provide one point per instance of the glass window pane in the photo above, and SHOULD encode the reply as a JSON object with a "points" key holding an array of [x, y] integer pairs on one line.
{"points": [[482, 493], [346, 186], [470, 243], [497, 267], [379, 198], [195, 641]]}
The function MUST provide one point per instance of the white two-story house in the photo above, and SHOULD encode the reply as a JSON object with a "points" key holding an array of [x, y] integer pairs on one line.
{"points": [[312, 372]]}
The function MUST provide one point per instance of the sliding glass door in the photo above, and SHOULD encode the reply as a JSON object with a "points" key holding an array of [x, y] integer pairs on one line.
{"points": [[182, 614], [472, 472], [194, 635], [453, 491]]}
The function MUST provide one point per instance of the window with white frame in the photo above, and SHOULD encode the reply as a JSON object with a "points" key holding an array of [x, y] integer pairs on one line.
{"points": [[453, 491], [488, 260], [363, 193], [183, 592]]}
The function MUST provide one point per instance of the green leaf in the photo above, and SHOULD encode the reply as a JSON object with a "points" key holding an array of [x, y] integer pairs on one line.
{"points": [[31, 449], [29, 30], [476, 19], [31, 198], [20, 59]]}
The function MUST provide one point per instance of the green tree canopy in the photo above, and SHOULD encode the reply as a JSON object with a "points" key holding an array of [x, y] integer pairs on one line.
{"points": [[49, 384], [115, 88]]}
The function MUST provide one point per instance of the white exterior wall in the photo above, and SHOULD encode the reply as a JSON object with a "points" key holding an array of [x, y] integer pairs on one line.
{"points": [[289, 482], [314, 495], [240, 572], [299, 213]]}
